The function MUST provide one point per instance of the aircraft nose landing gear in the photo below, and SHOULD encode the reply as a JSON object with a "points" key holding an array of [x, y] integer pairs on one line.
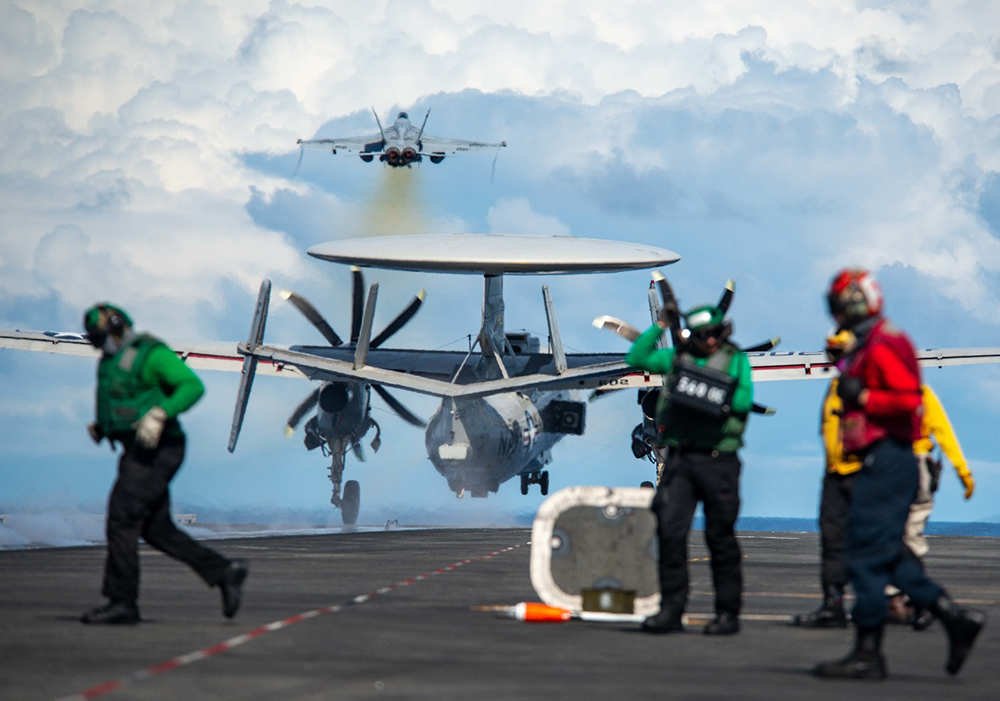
{"points": [[541, 478], [349, 502]]}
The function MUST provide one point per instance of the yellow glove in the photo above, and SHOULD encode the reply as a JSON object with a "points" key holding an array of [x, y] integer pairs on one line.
{"points": [[149, 428], [970, 484]]}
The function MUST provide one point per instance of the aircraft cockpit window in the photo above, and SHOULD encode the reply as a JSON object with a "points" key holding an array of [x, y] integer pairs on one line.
{"points": [[403, 115]]}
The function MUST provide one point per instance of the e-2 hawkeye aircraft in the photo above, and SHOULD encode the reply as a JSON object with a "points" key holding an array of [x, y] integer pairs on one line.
{"points": [[401, 144], [505, 402]]}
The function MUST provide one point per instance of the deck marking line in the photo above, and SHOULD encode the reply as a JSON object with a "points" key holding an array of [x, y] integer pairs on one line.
{"points": [[226, 645]]}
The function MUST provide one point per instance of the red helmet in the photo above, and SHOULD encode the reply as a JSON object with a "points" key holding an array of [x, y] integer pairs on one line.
{"points": [[854, 296]]}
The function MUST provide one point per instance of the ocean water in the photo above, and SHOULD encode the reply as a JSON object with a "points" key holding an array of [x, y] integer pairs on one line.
{"points": [[811, 525]]}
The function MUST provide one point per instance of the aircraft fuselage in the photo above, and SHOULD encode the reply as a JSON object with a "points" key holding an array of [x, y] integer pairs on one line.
{"points": [[402, 145], [477, 444]]}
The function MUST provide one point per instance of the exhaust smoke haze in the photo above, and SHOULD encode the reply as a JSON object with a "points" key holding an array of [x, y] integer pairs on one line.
{"points": [[396, 206]]}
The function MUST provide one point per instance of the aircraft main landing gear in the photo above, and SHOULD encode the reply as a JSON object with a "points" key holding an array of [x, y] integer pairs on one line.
{"points": [[541, 478]]}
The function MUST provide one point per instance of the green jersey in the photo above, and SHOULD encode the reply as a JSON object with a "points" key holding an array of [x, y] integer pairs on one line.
{"points": [[143, 374]]}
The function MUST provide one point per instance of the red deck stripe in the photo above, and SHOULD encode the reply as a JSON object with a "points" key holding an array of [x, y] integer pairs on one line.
{"points": [[181, 660]]}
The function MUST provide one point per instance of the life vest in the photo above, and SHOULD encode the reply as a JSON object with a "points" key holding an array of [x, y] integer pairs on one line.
{"points": [[860, 426], [122, 395], [694, 406]]}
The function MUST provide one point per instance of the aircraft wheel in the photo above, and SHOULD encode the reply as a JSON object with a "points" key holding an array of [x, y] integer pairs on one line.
{"points": [[350, 502], [524, 483], [543, 482]]}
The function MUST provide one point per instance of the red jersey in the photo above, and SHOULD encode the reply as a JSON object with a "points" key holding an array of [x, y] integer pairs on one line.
{"points": [[887, 367]]}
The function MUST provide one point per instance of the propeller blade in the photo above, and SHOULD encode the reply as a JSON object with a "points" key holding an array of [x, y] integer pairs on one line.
{"points": [[404, 413], [301, 410], [668, 299], [598, 393], [357, 302], [727, 297], [309, 311], [397, 323], [765, 346], [614, 325], [358, 451]]}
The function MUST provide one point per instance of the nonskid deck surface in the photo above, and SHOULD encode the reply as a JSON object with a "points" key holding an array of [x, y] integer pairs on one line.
{"points": [[390, 615]]}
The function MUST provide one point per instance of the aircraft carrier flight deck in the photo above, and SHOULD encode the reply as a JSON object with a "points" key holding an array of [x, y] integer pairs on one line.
{"points": [[393, 615]]}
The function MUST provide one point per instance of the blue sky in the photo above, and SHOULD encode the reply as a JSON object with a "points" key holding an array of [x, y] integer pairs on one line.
{"points": [[147, 153]]}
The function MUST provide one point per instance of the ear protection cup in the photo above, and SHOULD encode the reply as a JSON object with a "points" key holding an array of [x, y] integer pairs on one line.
{"points": [[115, 323]]}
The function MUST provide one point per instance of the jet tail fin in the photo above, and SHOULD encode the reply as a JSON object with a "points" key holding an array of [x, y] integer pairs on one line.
{"points": [[421, 132], [249, 361], [379, 122]]}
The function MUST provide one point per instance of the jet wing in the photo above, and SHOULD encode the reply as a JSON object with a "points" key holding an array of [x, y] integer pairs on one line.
{"points": [[351, 144], [433, 146]]}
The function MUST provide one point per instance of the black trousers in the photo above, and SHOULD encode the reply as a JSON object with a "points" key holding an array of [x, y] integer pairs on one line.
{"points": [[834, 505], [714, 480], [140, 505], [876, 553]]}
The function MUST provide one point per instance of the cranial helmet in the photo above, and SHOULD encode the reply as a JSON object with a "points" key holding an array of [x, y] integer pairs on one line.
{"points": [[103, 320], [703, 316], [854, 296], [704, 322]]}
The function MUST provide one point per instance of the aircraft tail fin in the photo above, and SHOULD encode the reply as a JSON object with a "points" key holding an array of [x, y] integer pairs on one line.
{"points": [[247, 349], [421, 132], [379, 122]]}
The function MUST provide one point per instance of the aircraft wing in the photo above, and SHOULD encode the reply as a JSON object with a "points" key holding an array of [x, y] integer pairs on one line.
{"points": [[433, 146], [811, 365], [199, 355], [351, 144], [452, 373]]}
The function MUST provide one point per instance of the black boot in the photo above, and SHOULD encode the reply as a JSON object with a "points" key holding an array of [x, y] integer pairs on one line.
{"points": [[113, 613], [666, 621], [231, 585], [864, 662], [962, 626], [922, 618], [723, 624], [829, 615]]}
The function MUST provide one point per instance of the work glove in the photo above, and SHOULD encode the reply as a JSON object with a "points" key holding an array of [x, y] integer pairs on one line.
{"points": [[670, 315], [968, 483], [149, 428], [849, 389]]}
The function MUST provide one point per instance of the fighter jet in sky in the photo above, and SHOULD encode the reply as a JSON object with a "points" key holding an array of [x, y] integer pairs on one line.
{"points": [[402, 144]]}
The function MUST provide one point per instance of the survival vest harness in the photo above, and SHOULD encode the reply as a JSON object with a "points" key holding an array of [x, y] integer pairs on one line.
{"points": [[122, 395]]}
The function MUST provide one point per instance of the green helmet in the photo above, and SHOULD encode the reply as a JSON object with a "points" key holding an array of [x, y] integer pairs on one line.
{"points": [[103, 319], [703, 316]]}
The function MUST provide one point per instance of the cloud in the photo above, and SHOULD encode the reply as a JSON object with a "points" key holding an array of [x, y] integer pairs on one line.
{"points": [[515, 216], [146, 153]]}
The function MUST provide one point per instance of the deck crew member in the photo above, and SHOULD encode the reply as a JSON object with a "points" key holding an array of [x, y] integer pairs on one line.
{"points": [[701, 416], [141, 388], [835, 499], [880, 390]]}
